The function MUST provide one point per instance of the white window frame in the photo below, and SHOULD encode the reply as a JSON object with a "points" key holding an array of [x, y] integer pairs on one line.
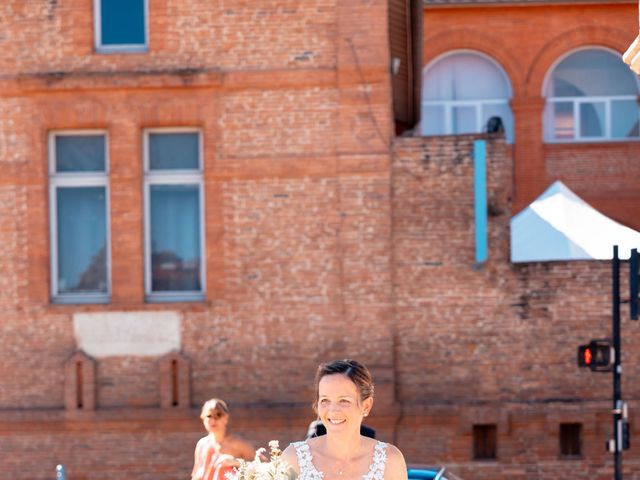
{"points": [[548, 117], [76, 179], [172, 177], [478, 106], [576, 102], [123, 48]]}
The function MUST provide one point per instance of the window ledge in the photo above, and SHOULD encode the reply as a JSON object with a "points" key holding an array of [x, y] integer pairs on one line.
{"points": [[174, 297], [80, 299], [584, 141], [124, 49]]}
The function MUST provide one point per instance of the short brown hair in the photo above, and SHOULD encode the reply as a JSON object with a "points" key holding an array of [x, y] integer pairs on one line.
{"points": [[214, 404], [353, 370]]}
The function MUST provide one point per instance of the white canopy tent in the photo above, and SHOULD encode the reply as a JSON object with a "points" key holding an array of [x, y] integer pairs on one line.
{"points": [[559, 225]]}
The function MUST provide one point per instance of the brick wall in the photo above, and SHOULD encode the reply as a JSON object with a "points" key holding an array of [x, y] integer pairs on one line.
{"points": [[495, 344], [57, 36], [527, 41], [292, 99], [615, 168]]}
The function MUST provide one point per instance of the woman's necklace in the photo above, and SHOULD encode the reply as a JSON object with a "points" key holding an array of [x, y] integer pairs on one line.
{"points": [[347, 460], [344, 464]]}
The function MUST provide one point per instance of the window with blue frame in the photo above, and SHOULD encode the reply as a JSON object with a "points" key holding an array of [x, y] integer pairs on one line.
{"points": [[121, 25], [79, 206], [174, 241]]}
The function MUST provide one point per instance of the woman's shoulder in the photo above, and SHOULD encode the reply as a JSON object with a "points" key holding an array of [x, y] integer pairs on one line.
{"points": [[203, 442], [238, 447], [293, 446], [396, 467], [393, 451], [290, 455]]}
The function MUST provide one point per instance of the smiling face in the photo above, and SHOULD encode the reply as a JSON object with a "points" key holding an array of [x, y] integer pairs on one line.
{"points": [[339, 405]]}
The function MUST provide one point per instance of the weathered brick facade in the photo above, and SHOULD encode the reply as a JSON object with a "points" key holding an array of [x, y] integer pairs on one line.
{"points": [[325, 238], [526, 40], [497, 344]]}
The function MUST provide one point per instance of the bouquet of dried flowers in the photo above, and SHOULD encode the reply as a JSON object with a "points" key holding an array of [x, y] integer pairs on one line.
{"points": [[275, 469]]}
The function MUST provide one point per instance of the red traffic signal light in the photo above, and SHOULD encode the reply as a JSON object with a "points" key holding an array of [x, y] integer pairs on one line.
{"points": [[585, 357], [598, 355]]}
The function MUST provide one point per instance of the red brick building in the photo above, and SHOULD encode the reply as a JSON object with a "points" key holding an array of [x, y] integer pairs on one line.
{"points": [[631, 56], [541, 47], [209, 198]]}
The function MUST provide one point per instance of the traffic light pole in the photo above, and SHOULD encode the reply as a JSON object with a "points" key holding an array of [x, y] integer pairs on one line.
{"points": [[617, 368]]}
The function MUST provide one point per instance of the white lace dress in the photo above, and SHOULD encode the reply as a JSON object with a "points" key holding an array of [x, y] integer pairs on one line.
{"points": [[308, 470]]}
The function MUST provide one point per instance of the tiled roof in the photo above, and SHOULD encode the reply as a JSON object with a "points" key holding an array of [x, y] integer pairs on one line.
{"points": [[516, 2]]}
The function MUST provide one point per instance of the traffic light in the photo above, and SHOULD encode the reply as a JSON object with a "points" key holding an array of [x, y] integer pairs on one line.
{"points": [[626, 435], [598, 355]]}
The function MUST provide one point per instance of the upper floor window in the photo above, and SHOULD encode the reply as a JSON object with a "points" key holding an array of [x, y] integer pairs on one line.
{"points": [[591, 96], [174, 234], [79, 212], [120, 25], [465, 92]]}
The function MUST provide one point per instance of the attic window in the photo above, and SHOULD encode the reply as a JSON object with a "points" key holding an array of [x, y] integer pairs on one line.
{"points": [[120, 26]]}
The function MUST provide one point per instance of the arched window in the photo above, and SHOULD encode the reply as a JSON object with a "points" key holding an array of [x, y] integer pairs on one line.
{"points": [[591, 96], [461, 92]]}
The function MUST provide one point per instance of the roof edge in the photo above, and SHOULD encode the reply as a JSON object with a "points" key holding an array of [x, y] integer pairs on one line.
{"points": [[427, 4]]}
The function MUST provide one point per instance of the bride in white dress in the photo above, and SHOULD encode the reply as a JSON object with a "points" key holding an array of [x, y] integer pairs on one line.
{"points": [[344, 396]]}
